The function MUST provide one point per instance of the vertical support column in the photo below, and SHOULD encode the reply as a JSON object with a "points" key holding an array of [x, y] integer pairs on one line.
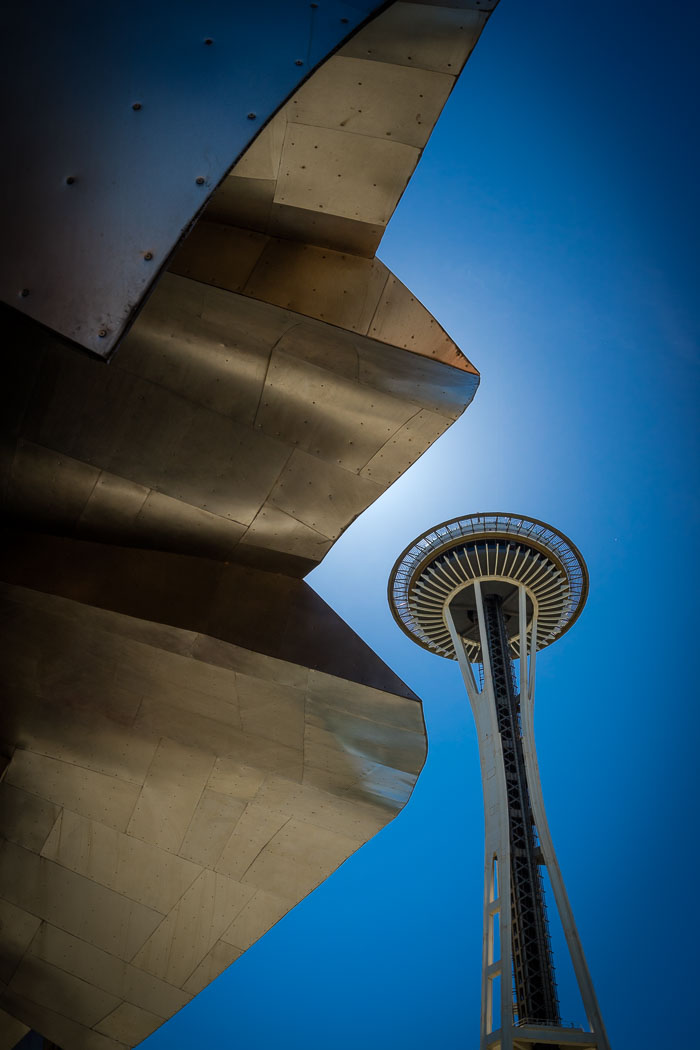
{"points": [[527, 702], [497, 893]]}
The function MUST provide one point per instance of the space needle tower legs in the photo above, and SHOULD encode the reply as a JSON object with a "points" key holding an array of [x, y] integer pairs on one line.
{"points": [[486, 591]]}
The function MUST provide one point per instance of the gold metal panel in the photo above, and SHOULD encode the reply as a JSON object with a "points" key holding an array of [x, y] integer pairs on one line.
{"points": [[84, 739], [342, 421], [343, 766], [225, 654], [193, 927], [267, 755], [336, 172], [325, 230], [18, 928], [320, 848], [348, 734], [422, 36], [205, 345], [262, 158], [274, 530], [386, 786], [17, 600], [369, 784], [135, 869], [402, 320], [324, 496], [74, 903], [213, 463], [11, 1031], [94, 795], [170, 524], [258, 916], [98, 967], [224, 797], [430, 383], [366, 97], [112, 508], [252, 833], [214, 255], [328, 693], [238, 202], [46, 484], [171, 791], [187, 683], [157, 438], [341, 289], [321, 808], [390, 461], [236, 780], [330, 349], [272, 711], [59, 990], [47, 665], [219, 958], [55, 1026], [190, 730], [129, 1024], [211, 827], [25, 819], [292, 876]]}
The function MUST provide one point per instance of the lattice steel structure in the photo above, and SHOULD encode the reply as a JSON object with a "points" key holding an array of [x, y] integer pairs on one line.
{"points": [[489, 589]]}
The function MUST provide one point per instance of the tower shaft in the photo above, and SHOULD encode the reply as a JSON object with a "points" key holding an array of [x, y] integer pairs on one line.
{"points": [[488, 590], [533, 972]]}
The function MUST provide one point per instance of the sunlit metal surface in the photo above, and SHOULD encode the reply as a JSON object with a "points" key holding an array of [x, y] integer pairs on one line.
{"points": [[195, 740], [167, 801], [121, 121], [224, 427]]}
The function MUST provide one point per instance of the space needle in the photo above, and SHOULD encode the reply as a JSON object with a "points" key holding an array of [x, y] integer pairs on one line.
{"points": [[488, 590]]}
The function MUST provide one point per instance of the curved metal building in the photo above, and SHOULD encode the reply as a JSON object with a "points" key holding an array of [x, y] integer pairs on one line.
{"points": [[192, 739]]}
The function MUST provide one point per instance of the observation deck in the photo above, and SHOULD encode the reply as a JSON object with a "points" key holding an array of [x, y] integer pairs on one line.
{"points": [[440, 567]]}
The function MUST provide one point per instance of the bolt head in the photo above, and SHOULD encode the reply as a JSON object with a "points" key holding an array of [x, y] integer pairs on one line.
{"points": [[200, 180]]}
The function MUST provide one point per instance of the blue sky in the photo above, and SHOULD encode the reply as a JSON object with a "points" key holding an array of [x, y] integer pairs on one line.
{"points": [[552, 228]]}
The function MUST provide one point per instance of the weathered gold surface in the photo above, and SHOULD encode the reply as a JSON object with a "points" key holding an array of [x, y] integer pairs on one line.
{"points": [[224, 427], [192, 740], [162, 811]]}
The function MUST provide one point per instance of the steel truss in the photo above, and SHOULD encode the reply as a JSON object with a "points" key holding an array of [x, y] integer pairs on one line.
{"points": [[533, 967]]}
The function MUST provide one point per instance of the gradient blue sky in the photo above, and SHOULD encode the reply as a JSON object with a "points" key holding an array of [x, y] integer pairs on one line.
{"points": [[552, 228]]}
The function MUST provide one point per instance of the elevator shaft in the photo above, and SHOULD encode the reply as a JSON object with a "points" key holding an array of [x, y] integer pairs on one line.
{"points": [[533, 971]]}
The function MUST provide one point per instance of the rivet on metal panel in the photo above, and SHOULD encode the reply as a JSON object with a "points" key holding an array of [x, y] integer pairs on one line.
{"points": [[70, 180], [200, 180], [136, 105], [102, 333], [251, 116], [208, 41], [148, 256], [24, 293], [298, 62]]}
